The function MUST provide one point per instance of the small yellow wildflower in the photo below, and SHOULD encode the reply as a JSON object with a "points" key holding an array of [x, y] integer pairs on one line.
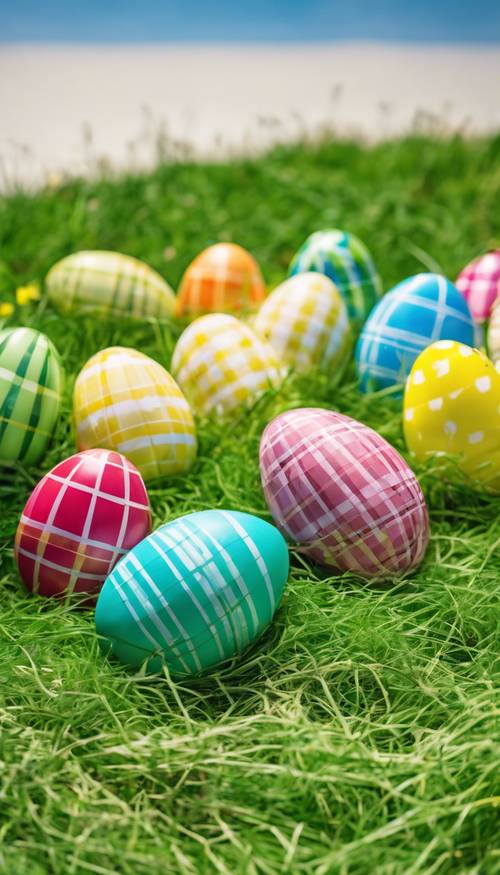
{"points": [[26, 294], [6, 309], [54, 180]]}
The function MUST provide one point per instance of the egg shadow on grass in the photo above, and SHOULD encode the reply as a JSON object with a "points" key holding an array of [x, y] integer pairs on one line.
{"points": [[350, 583], [238, 683], [449, 490], [247, 679], [80, 603]]}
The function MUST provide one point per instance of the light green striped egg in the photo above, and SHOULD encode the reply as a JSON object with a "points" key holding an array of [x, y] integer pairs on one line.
{"points": [[194, 593], [31, 382], [109, 283]]}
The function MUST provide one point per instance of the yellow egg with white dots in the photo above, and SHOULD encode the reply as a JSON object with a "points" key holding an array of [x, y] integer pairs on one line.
{"points": [[452, 408]]}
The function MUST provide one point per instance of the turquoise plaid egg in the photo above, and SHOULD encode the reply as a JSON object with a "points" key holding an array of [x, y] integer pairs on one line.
{"points": [[347, 261], [415, 313], [194, 593]]}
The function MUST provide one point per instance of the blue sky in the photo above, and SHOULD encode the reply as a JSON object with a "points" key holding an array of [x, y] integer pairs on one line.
{"points": [[132, 21]]}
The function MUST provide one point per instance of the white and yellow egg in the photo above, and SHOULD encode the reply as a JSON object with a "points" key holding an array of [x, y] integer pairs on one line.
{"points": [[305, 321], [221, 364]]}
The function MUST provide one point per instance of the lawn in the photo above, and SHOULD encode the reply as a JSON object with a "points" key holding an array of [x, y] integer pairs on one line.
{"points": [[360, 733]]}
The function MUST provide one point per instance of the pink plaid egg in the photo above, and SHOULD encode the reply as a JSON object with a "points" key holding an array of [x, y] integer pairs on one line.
{"points": [[479, 283], [340, 491]]}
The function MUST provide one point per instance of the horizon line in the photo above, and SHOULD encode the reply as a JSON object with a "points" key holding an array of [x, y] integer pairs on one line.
{"points": [[197, 41]]}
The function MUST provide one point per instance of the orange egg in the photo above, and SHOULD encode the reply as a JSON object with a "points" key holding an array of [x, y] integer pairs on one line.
{"points": [[224, 278]]}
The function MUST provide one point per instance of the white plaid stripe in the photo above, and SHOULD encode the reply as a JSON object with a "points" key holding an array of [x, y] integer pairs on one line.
{"points": [[153, 614], [27, 385], [82, 487], [124, 578], [259, 559], [118, 550], [55, 530], [238, 579], [88, 522], [191, 595], [206, 560], [171, 544], [47, 563], [65, 483]]}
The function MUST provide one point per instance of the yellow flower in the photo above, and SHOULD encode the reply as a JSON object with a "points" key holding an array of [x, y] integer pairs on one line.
{"points": [[54, 180], [25, 294], [6, 309]]}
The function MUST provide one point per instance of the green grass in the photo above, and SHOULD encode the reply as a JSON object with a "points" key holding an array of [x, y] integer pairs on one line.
{"points": [[360, 733]]}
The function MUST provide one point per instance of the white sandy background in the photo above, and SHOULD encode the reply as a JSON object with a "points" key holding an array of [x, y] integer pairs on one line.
{"points": [[64, 109]]}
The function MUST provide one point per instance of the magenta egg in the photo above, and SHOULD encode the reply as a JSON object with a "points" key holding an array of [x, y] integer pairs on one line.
{"points": [[80, 519], [342, 493]]}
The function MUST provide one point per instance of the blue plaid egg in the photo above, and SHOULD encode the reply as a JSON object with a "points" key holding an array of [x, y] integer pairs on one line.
{"points": [[417, 312]]}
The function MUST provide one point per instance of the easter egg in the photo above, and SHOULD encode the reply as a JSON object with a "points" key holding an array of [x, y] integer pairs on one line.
{"points": [[109, 283], [127, 402], [416, 313], [342, 493], [222, 278], [494, 332], [344, 259], [221, 364], [452, 407], [31, 384], [194, 593], [305, 321], [479, 283], [80, 519]]}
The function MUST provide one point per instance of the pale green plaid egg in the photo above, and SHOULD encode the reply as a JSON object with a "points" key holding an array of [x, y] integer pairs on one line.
{"points": [[110, 284]]}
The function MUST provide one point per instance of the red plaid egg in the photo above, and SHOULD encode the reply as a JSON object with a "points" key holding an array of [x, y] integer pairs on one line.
{"points": [[83, 516], [340, 491], [479, 283]]}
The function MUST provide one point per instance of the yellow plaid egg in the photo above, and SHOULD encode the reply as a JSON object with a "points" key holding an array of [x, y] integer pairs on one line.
{"points": [[111, 284], [221, 364], [127, 402], [305, 321], [452, 406]]}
